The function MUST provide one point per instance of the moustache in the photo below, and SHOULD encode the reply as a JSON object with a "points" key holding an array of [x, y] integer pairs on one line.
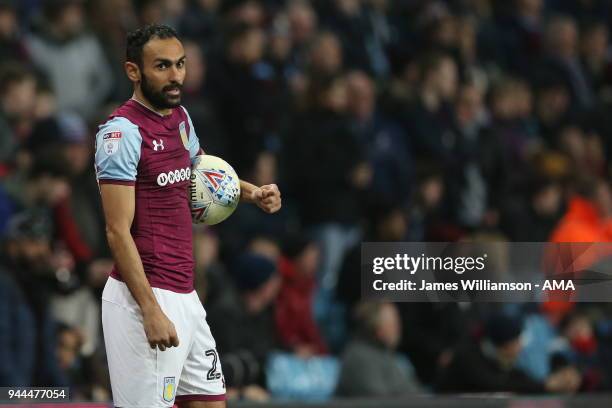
{"points": [[172, 87]]}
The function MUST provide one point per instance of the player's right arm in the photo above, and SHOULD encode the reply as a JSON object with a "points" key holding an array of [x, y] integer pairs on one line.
{"points": [[117, 156], [119, 203]]}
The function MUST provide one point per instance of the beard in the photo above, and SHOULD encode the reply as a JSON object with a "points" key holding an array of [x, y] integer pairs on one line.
{"points": [[160, 99]]}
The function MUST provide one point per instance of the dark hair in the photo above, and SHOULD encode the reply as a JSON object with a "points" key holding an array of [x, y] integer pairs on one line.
{"points": [[431, 62], [53, 9], [137, 39], [12, 73]]}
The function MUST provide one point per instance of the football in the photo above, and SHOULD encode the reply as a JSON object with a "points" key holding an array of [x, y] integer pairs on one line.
{"points": [[214, 190]]}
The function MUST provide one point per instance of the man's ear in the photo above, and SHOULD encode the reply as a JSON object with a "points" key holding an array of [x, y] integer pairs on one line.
{"points": [[133, 71]]}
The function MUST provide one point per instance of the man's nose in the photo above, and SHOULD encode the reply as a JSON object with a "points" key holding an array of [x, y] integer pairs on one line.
{"points": [[175, 74]]}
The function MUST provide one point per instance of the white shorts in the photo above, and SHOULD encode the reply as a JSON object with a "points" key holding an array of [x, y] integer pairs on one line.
{"points": [[145, 377]]}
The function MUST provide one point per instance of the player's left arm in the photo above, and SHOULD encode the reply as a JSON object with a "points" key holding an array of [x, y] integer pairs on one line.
{"points": [[267, 197]]}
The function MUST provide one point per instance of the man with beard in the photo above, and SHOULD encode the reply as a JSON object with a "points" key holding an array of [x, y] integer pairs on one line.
{"points": [[159, 346]]}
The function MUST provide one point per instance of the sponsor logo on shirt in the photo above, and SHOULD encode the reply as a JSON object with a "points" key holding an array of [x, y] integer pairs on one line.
{"points": [[174, 176], [158, 145], [110, 142]]}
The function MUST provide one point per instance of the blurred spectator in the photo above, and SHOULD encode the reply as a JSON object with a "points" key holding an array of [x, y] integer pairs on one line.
{"points": [[533, 218], [17, 330], [27, 262], [211, 279], [426, 222], [384, 141], [78, 216], [430, 331], [384, 35], [198, 101], [488, 365], [595, 57], [348, 19], [327, 182], [71, 58], [111, 20], [17, 107], [244, 323], [303, 26], [552, 107], [562, 60], [388, 222], [247, 12], [74, 305], [42, 187], [542, 345], [371, 366], [294, 306], [521, 35], [200, 21], [69, 343], [430, 118], [508, 143], [586, 352], [247, 97], [584, 150], [325, 55], [586, 10], [587, 218], [11, 40], [466, 182]]}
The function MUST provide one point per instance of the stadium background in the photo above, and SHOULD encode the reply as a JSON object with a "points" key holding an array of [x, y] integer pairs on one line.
{"points": [[380, 120]]}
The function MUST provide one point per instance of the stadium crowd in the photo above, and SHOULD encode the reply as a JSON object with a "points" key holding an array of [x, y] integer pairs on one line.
{"points": [[380, 120]]}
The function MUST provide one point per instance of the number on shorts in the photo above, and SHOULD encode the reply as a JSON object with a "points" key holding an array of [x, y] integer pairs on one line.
{"points": [[212, 373]]}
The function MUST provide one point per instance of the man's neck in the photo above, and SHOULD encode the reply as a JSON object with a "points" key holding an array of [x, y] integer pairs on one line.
{"points": [[138, 97]]}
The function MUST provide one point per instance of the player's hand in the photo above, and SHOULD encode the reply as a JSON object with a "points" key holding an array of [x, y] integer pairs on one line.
{"points": [[159, 329], [268, 198]]}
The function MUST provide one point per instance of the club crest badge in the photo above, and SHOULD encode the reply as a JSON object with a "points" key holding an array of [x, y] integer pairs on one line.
{"points": [[169, 389], [184, 135]]}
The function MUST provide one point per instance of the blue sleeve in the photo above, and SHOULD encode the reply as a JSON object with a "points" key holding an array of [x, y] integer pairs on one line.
{"points": [[194, 142], [118, 144]]}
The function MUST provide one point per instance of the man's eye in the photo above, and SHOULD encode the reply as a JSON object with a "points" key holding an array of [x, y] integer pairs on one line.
{"points": [[181, 64], [162, 65]]}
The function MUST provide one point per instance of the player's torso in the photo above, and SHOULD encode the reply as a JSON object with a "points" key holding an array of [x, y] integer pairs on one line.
{"points": [[162, 220], [164, 158]]}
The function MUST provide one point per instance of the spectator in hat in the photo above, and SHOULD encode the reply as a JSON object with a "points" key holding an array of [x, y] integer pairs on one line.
{"points": [[26, 282], [42, 187], [64, 135], [244, 323], [488, 365]]}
